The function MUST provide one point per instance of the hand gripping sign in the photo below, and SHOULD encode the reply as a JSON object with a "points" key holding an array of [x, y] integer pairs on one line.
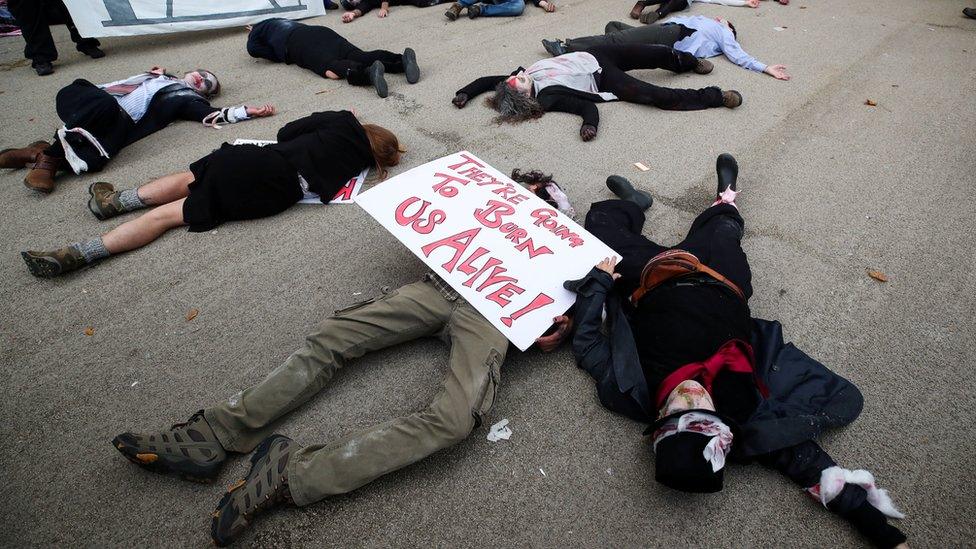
{"points": [[346, 195], [506, 251]]}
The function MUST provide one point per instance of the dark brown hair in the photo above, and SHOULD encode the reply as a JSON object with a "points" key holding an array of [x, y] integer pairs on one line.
{"points": [[386, 148], [512, 106]]}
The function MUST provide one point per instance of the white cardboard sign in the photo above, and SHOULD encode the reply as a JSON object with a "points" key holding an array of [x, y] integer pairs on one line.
{"points": [[506, 251], [346, 195], [97, 18]]}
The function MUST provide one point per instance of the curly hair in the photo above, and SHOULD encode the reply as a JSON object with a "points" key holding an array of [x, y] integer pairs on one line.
{"points": [[512, 106], [531, 176]]}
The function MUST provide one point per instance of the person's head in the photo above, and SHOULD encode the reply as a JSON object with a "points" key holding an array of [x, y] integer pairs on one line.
{"points": [[728, 24], [690, 441], [203, 82], [520, 82], [542, 185], [512, 105], [385, 146]]}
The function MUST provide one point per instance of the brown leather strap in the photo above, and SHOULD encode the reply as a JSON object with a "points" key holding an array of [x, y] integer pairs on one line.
{"points": [[672, 264]]}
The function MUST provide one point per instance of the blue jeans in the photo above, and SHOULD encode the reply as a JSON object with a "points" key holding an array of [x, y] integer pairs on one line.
{"points": [[498, 8]]}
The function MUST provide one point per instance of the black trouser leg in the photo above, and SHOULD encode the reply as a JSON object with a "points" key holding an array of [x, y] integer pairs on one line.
{"points": [[618, 224], [81, 104], [629, 57], [81, 43], [31, 17], [392, 62], [671, 6], [716, 239]]}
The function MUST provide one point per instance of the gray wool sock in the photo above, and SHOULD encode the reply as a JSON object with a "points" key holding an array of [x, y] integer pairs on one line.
{"points": [[93, 249], [130, 200]]}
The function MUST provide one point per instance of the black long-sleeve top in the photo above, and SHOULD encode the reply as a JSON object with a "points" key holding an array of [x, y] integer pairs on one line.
{"points": [[552, 98]]}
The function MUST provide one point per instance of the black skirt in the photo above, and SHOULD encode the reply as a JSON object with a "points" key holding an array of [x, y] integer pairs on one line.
{"points": [[239, 182]]}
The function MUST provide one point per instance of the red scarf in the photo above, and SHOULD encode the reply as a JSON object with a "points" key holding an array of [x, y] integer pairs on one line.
{"points": [[735, 355]]}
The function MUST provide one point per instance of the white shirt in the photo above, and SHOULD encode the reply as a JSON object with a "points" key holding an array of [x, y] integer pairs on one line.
{"points": [[712, 38], [573, 70], [137, 102]]}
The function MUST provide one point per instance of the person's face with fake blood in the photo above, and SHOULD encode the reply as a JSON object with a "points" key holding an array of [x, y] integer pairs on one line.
{"points": [[521, 83], [201, 81], [688, 395]]}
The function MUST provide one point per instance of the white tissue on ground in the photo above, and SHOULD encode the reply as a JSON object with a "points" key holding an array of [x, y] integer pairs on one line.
{"points": [[500, 431]]}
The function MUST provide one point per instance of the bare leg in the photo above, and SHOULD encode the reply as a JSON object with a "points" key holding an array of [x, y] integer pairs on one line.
{"points": [[145, 228], [166, 189], [332, 75]]}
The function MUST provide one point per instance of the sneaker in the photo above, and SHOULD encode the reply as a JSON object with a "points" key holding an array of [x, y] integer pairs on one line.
{"points": [[454, 11], [104, 201], [52, 264], [474, 11], [190, 450], [731, 99], [264, 487], [704, 66], [624, 190], [727, 170], [375, 72], [410, 67], [43, 69], [554, 47]]}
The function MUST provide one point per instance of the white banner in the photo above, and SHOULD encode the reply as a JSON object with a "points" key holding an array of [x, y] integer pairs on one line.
{"points": [[346, 195], [502, 248], [97, 18]]}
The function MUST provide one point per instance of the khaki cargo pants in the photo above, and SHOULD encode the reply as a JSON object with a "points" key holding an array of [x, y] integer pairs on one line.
{"points": [[413, 311]]}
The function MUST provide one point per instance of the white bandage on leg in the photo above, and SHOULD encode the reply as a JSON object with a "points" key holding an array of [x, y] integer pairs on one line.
{"points": [[78, 165]]}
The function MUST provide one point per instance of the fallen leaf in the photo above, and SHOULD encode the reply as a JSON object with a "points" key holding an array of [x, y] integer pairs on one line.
{"points": [[878, 275], [870, 102], [191, 314], [89, 331], [803, 7]]}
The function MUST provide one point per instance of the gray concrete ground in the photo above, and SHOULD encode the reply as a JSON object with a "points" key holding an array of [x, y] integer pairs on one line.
{"points": [[832, 188]]}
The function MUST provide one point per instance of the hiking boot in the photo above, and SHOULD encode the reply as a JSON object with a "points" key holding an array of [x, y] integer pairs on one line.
{"points": [[454, 11], [474, 11], [624, 190], [704, 66], [20, 158], [410, 67], [731, 99], [41, 176], [554, 47], [635, 12], [375, 73], [104, 201], [650, 17], [44, 68], [190, 450], [264, 487], [52, 264], [727, 170]]}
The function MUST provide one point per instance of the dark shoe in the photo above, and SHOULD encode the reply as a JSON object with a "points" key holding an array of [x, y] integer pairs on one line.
{"points": [[635, 12], [264, 487], [21, 158], [375, 72], [52, 264], [649, 17], [731, 99], [454, 11], [410, 67], [43, 69], [93, 51], [104, 201], [330, 5], [704, 66], [190, 450], [624, 190], [474, 11], [727, 170], [554, 47], [41, 176], [969, 12]]}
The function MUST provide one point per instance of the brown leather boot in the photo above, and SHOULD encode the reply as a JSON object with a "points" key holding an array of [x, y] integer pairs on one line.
{"points": [[41, 177], [454, 11], [20, 158], [635, 12]]}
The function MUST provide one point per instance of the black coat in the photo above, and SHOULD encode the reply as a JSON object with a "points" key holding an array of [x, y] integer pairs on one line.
{"points": [[174, 102], [552, 98]]}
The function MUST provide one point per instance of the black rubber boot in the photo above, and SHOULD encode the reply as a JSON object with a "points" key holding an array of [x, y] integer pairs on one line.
{"points": [[727, 170], [624, 190]]}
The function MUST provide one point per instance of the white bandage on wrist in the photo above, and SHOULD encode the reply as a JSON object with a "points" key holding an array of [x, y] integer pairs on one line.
{"points": [[832, 482]]}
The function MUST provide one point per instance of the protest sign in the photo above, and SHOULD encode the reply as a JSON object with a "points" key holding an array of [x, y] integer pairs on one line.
{"points": [[96, 18], [346, 195], [506, 251]]}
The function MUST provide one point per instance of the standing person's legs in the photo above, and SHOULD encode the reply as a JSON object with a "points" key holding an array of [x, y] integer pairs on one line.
{"points": [[618, 224], [467, 394], [32, 19], [503, 8], [715, 238], [87, 46]]}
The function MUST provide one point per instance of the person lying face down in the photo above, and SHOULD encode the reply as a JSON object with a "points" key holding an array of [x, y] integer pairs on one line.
{"points": [[285, 472], [99, 121], [682, 353], [576, 82], [318, 153], [322, 51], [698, 35]]}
